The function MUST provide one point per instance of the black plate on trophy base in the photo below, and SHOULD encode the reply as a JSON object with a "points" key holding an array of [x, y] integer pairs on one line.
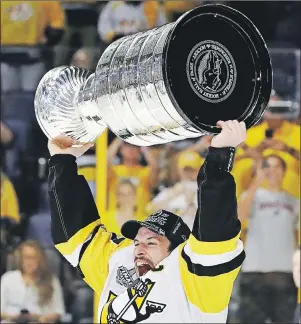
{"points": [[222, 72]]}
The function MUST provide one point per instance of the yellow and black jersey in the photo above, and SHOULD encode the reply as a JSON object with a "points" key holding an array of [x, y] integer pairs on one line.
{"points": [[192, 285]]}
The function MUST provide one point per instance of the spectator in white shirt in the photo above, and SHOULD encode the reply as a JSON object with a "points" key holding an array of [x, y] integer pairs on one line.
{"points": [[31, 293], [181, 198], [267, 288], [121, 18]]}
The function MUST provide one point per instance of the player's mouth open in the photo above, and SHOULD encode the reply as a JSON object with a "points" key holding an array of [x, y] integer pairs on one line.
{"points": [[142, 267]]}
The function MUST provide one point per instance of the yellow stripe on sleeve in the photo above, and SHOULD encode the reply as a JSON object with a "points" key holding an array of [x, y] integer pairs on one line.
{"points": [[77, 239], [95, 261], [87, 172], [210, 294]]}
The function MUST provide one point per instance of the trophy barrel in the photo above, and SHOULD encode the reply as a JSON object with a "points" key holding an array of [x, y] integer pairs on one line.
{"points": [[221, 72], [130, 91]]}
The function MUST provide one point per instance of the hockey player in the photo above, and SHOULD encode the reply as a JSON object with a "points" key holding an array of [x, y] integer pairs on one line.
{"points": [[159, 271]]}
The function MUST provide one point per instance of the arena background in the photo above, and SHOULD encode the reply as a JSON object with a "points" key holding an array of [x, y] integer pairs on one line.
{"points": [[39, 35]]}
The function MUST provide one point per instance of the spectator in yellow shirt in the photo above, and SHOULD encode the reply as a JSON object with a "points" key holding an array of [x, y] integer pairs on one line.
{"points": [[143, 177], [126, 208], [274, 135], [9, 201], [26, 27], [9, 211]]}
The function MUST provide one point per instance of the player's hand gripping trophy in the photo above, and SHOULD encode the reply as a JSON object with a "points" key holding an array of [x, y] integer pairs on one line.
{"points": [[162, 85]]}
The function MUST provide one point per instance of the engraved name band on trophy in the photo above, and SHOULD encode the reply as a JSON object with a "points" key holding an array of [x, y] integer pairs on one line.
{"points": [[166, 84]]}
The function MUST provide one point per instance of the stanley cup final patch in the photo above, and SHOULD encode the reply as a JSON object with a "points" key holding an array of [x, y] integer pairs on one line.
{"points": [[211, 71]]}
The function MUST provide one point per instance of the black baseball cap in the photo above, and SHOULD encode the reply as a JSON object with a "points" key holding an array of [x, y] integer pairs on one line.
{"points": [[161, 222]]}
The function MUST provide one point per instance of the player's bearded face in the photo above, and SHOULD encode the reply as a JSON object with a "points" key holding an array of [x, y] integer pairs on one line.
{"points": [[150, 250]]}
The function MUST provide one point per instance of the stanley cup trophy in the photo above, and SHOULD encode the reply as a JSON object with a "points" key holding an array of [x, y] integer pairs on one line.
{"points": [[165, 84]]}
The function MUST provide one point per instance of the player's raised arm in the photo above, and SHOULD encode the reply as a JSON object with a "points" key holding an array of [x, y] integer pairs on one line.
{"points": [[216, 218], [76, 226], [213, 255]]}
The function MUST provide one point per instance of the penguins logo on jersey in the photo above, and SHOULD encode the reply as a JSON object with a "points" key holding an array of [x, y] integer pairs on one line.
{"points": [[127, 307]]}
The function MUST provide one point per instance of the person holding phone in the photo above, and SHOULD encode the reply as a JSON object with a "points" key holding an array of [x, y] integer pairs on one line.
{"points": [[274, 135]]}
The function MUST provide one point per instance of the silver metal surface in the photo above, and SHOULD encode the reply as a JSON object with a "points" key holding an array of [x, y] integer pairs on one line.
{"points": [[58, 110], [165, 84], [127, 93]]}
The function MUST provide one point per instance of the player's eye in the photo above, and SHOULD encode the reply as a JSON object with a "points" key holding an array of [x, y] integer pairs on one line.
{"points": [[151, 243]]}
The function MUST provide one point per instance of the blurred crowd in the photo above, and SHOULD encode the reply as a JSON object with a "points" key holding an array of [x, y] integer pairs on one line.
{"points": [[36, 284]]}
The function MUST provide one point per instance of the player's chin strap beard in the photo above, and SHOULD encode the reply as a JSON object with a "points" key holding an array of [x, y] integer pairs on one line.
{"points": [[160, 268]]}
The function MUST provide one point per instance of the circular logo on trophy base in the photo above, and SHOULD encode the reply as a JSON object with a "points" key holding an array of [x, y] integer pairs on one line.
{"points": [[211, 71]]}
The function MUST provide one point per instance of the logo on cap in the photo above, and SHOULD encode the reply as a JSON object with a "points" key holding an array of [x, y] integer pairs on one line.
{"points": [[176, 228], [211, 71], [158, 217]]}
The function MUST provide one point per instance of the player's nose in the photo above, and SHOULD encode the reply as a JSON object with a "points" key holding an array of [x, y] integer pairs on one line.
{"points": [[140, 250]]}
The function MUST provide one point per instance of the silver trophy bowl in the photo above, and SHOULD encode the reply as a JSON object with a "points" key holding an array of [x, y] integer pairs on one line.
{"points": [[166, 84]]}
